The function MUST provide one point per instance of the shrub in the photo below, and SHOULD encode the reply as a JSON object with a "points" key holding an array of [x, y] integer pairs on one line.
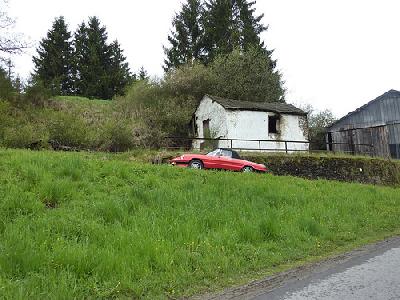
{"points": [[36, 94], [118, 136], [67, 130], [352, 169], [25, 136]]}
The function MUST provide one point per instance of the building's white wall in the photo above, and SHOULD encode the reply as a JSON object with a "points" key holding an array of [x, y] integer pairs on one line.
{"points": [[253, 125], [209, 109], [249, 125]]}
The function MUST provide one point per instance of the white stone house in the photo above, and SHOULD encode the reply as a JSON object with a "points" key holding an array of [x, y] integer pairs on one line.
{"points": [[249, 126]]}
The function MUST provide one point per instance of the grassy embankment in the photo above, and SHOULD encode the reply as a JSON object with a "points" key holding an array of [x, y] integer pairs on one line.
{"points": [[87, 226]]}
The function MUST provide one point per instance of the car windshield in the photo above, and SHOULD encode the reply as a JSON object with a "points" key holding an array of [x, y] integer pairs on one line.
{"points": [[220, 152], [216, 152]]}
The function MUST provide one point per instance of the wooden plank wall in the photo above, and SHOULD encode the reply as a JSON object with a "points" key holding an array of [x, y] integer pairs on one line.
{"points": [[352, 138]]}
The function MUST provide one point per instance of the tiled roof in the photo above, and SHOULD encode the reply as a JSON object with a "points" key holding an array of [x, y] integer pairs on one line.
{"points": [[276, 107]]}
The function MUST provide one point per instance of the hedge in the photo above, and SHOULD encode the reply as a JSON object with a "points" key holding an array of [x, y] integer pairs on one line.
{"points": [[350, 169]]}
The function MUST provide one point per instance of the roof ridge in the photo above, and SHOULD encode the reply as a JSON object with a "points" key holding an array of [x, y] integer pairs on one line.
{"points": [[392, 91]]}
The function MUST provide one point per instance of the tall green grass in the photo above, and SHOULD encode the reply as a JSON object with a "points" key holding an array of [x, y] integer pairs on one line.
{"points": [[82, 100], [78, 225]]}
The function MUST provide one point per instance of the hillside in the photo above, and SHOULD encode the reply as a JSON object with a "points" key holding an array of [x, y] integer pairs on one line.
{"points": [[88, 226]]}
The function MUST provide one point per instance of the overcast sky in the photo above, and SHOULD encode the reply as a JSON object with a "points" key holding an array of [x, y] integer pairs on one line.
{"points": [[334, 54]]}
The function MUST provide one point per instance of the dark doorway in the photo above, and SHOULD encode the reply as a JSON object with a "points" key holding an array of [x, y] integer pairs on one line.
{"points": [[206, 129], [394, 150], [273, 124], [330, 141]]}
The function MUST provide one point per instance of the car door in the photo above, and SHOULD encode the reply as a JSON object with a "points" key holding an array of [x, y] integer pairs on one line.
{"points": [[213, 161], [227, 162]]}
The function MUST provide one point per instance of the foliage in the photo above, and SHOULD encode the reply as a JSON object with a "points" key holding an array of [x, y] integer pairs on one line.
{"points": [[88, 226], [318, 121], [119, 136], [202, 30], [36, 93], [101, 69], [86, 66], [332, 167], [230, 25], [67, 123], [156, 108], [191, 81], [53, 63], [6, 88], [67, 130], [247, 76], [118, 70], [187, 36], [237, 75], [92, 56], [143, 75]]}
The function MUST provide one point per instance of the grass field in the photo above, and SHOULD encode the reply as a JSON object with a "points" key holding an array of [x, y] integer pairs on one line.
{"points": [[87, 226]]}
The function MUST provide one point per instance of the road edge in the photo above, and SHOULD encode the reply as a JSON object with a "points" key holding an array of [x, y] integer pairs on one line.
{"points": [[258, 287]]}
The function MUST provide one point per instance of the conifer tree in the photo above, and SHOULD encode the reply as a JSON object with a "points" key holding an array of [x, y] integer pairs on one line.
{"points": [[143, 74], [186, 37], [93, 55], [81, 60], [119, 73], [53, 63], [101, 70], [229, 25]]}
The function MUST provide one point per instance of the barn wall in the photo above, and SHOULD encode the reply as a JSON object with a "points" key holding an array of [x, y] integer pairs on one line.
{"points": [[356, 141], [376, 123]]}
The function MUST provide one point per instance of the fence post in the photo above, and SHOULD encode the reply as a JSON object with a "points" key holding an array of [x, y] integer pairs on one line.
{"points": [[286, 149], [231, 144]]}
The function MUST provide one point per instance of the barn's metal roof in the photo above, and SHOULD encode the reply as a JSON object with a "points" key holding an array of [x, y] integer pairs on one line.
{"points": [[374, 115], [276, 107]]}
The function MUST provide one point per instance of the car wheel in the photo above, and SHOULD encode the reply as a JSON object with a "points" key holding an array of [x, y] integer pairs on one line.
{"points": [[247, 169], [196, 164]]}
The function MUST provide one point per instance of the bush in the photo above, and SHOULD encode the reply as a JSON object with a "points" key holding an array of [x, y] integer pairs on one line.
{"points": [[25, 136], [351, 169], [118, 136], [67, 130], [36, 94]]}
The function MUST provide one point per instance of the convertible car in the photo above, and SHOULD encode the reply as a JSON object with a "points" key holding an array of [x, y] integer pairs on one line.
{"points": [[221, 158]]}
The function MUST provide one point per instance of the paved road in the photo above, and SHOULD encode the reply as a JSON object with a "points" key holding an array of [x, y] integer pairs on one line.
{"points": [[371, 272], [375, 278], [374, 275]]}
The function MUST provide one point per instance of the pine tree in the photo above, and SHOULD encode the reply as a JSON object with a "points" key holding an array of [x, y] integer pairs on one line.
{"points": [[186, 37], [53, 63], [143, 74], [100, 69], [229, 25], [6, 87], [119, 73], [81, 60], [93, 56]]}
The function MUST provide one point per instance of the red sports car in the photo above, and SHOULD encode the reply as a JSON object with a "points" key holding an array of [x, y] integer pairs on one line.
{"points": [[226, 159]]}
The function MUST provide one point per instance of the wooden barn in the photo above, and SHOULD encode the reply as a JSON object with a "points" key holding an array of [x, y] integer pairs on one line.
{"points": [[373, 129]]}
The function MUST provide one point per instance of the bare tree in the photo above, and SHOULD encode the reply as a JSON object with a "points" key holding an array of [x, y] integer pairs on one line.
{"points": [[10, 42]]}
